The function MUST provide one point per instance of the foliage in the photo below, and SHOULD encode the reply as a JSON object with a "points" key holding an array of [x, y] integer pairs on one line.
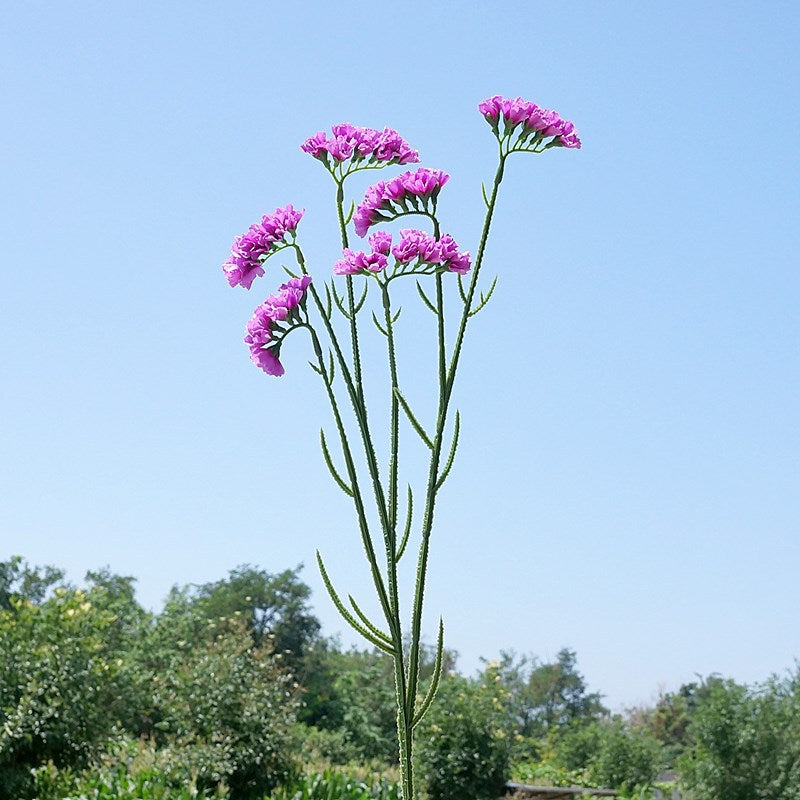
{"points": [[464, 742], [65, 682], [626, 758], [337, 784], [275, 607], [606, 754], [547, 695], [128, 770], [226, 704], [21, 581], [747, 742]]}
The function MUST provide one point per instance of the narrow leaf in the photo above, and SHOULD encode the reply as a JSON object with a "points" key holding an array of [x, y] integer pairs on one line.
{"points": [[329, 462], [365, 632], [328, 306], [366, 621], [397, 315], [484, 300], [413, 420], [461, 289], [435, 678], [378, 325], [407, 531], [483, 192], [340, 303], [425, 299], [315, 367], [331, 367], [360, 303], [350, 212], [453, 447]]}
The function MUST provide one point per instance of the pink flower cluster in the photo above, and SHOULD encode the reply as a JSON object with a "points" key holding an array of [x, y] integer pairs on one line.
{"points": [[534, 118], [250, 250], [352, 141], [421, 184], [413, 245], [275, 308]]}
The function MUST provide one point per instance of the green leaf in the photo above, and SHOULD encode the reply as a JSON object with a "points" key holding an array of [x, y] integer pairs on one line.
{"points": [[413, 420], [329, 462]]}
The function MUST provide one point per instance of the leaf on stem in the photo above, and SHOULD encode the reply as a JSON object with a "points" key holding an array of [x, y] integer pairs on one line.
{"points": [[363, 617], [397, 315], [315, 367], [461, 289], [360, 303], [340, 303], [407, 531], [435, 678], [289, 272], [425, 299], [484, 300], [349, 618], [483, 192], [413, 420], [328, 301], [350, 212], [329, 462], [331, 367], [453, 447], [378, 325]]}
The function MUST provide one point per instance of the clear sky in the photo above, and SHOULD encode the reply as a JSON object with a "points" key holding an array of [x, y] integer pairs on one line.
{"points": [[629, 481]]}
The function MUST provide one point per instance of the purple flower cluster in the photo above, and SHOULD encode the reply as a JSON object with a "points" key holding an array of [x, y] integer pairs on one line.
{"points": [[351, 141], [275, 308], [414, 245], [541, 120], [421, 184], [250, 250]]}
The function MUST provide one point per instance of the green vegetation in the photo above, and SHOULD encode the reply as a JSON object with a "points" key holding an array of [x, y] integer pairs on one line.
{"points": [[231, 692]]}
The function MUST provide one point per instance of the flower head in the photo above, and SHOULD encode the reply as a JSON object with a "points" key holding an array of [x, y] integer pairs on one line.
{"points": [[252, 248], [261, 332], [409, 188], [351, 141], [532, 118], [416, 245]]}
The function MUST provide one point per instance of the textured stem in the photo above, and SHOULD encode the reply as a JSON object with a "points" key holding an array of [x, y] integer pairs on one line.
{"points": [[446, 379]]}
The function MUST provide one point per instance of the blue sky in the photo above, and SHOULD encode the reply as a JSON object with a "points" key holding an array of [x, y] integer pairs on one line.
{"points": [[628, 481]]}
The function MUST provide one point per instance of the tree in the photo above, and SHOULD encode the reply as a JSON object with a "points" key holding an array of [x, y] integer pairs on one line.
{"points": [[65, 682], [19, 579], [746, 741], [275, 607], [544, 696]]}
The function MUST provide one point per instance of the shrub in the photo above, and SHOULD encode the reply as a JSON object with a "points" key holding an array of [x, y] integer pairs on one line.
{"points": [[225, 704], [746, 742], [65, 683], [463, 743]]}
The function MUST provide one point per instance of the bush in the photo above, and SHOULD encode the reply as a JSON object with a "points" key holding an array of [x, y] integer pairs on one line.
{"points": [[224, 704], [746, 742], [463, 743], [65, 682], [129, 770]]}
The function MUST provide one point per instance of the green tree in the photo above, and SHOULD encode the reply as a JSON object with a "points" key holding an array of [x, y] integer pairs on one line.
{"points": [[65, 682], [275, 607], [464, 741], [19, 579], [547, 695], [746, 742]]}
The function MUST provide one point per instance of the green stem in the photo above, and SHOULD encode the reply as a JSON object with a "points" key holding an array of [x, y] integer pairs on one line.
{"points": [[351, 303], [353, 476], [446, 379]]}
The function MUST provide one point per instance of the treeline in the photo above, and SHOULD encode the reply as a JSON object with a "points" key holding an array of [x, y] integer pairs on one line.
{"points": [[231, 691]]}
